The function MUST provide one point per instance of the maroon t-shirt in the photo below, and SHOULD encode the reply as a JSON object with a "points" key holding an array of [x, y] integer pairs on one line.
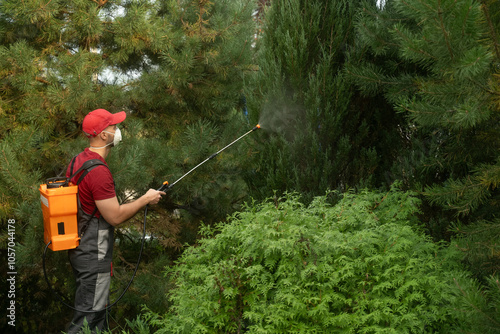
{"points": [[96, 185]]}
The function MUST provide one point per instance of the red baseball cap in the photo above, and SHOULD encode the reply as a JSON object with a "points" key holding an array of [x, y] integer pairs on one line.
{"points": [[100, 119]]}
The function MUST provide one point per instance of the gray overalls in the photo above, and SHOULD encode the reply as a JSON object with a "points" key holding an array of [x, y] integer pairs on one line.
{"points": [[91, 262]]}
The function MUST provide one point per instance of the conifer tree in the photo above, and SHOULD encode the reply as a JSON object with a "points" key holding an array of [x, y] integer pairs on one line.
{"points": [[192, 100], [322, 134], [360, 266], [53, 58], [61, 59], [436, 62]]}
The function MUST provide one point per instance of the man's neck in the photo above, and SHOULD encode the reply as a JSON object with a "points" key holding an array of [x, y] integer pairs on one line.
{"points": [[103, 152]]}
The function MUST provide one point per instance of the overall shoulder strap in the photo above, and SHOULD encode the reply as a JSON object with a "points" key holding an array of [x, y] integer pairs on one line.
{"points": [[86, 167], [72, 165]]}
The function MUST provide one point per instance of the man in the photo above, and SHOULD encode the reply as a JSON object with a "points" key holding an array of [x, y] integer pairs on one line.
{"points": [[98, 214]]}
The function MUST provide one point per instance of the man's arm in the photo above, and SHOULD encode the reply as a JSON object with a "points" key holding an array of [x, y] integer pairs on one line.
{"points": [[115, 214]]}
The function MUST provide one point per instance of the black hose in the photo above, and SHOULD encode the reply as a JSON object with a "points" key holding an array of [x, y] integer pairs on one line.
{"points": [[123, 293]]}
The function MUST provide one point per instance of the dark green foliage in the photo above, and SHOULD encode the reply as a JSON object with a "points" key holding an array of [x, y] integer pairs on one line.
{"points": [[479, 242], [359, 266], [435, 61], [430, 60], [478, 305], [321, 134], [444, 92]]}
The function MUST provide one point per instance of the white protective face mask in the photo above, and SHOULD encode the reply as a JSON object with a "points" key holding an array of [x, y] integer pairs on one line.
{"points": [[116, 140]]}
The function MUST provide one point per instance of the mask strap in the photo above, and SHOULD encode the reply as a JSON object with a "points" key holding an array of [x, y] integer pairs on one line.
{"points": [[101, 146]]}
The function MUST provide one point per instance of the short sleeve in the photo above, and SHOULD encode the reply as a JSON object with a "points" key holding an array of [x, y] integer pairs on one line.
{"points": [[101, 183]]}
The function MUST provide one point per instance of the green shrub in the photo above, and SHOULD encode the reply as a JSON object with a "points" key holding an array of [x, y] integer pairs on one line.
{"points": [[360, 266]]}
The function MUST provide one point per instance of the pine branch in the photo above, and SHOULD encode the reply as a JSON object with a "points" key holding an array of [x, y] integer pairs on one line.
{"points": [[39, 79], [12, 177], [443, 29], [470, 302], [410, 43], [493, 33]]}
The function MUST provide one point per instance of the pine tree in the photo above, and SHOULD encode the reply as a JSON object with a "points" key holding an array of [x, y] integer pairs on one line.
{"points": [[61, 59], [436, 63], [321, 133], [191, 99], [53, 59]]}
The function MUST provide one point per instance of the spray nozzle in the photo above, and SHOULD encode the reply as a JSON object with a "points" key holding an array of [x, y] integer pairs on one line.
{"points": [[256, 127], [164, 186]]}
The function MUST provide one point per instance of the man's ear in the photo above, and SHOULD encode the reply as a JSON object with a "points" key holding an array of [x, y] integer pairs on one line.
{"points": [[103, 135]]}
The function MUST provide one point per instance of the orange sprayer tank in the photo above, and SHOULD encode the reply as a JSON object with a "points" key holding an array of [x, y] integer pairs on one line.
{"points": [[60, 207]]}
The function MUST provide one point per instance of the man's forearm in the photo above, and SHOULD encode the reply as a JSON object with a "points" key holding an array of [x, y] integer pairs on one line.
{"points": [[128, 210], [115, 214]]}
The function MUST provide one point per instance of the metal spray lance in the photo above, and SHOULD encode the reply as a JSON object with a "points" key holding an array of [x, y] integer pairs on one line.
{"points": [[166, 186]]}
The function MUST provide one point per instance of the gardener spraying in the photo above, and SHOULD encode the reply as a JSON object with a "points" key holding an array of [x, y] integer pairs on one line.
{"points": [[98, 214]]}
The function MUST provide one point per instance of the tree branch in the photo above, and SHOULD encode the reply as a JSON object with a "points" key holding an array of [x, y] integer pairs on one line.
{"points": [[492, 29], [42, 80], [445, 33]]}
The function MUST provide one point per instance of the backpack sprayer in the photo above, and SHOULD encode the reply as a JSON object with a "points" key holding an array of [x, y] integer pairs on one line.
{"points": [[59, 201]]}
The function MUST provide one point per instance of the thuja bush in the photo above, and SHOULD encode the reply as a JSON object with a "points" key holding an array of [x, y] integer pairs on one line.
{"points": [[359, 266]]}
